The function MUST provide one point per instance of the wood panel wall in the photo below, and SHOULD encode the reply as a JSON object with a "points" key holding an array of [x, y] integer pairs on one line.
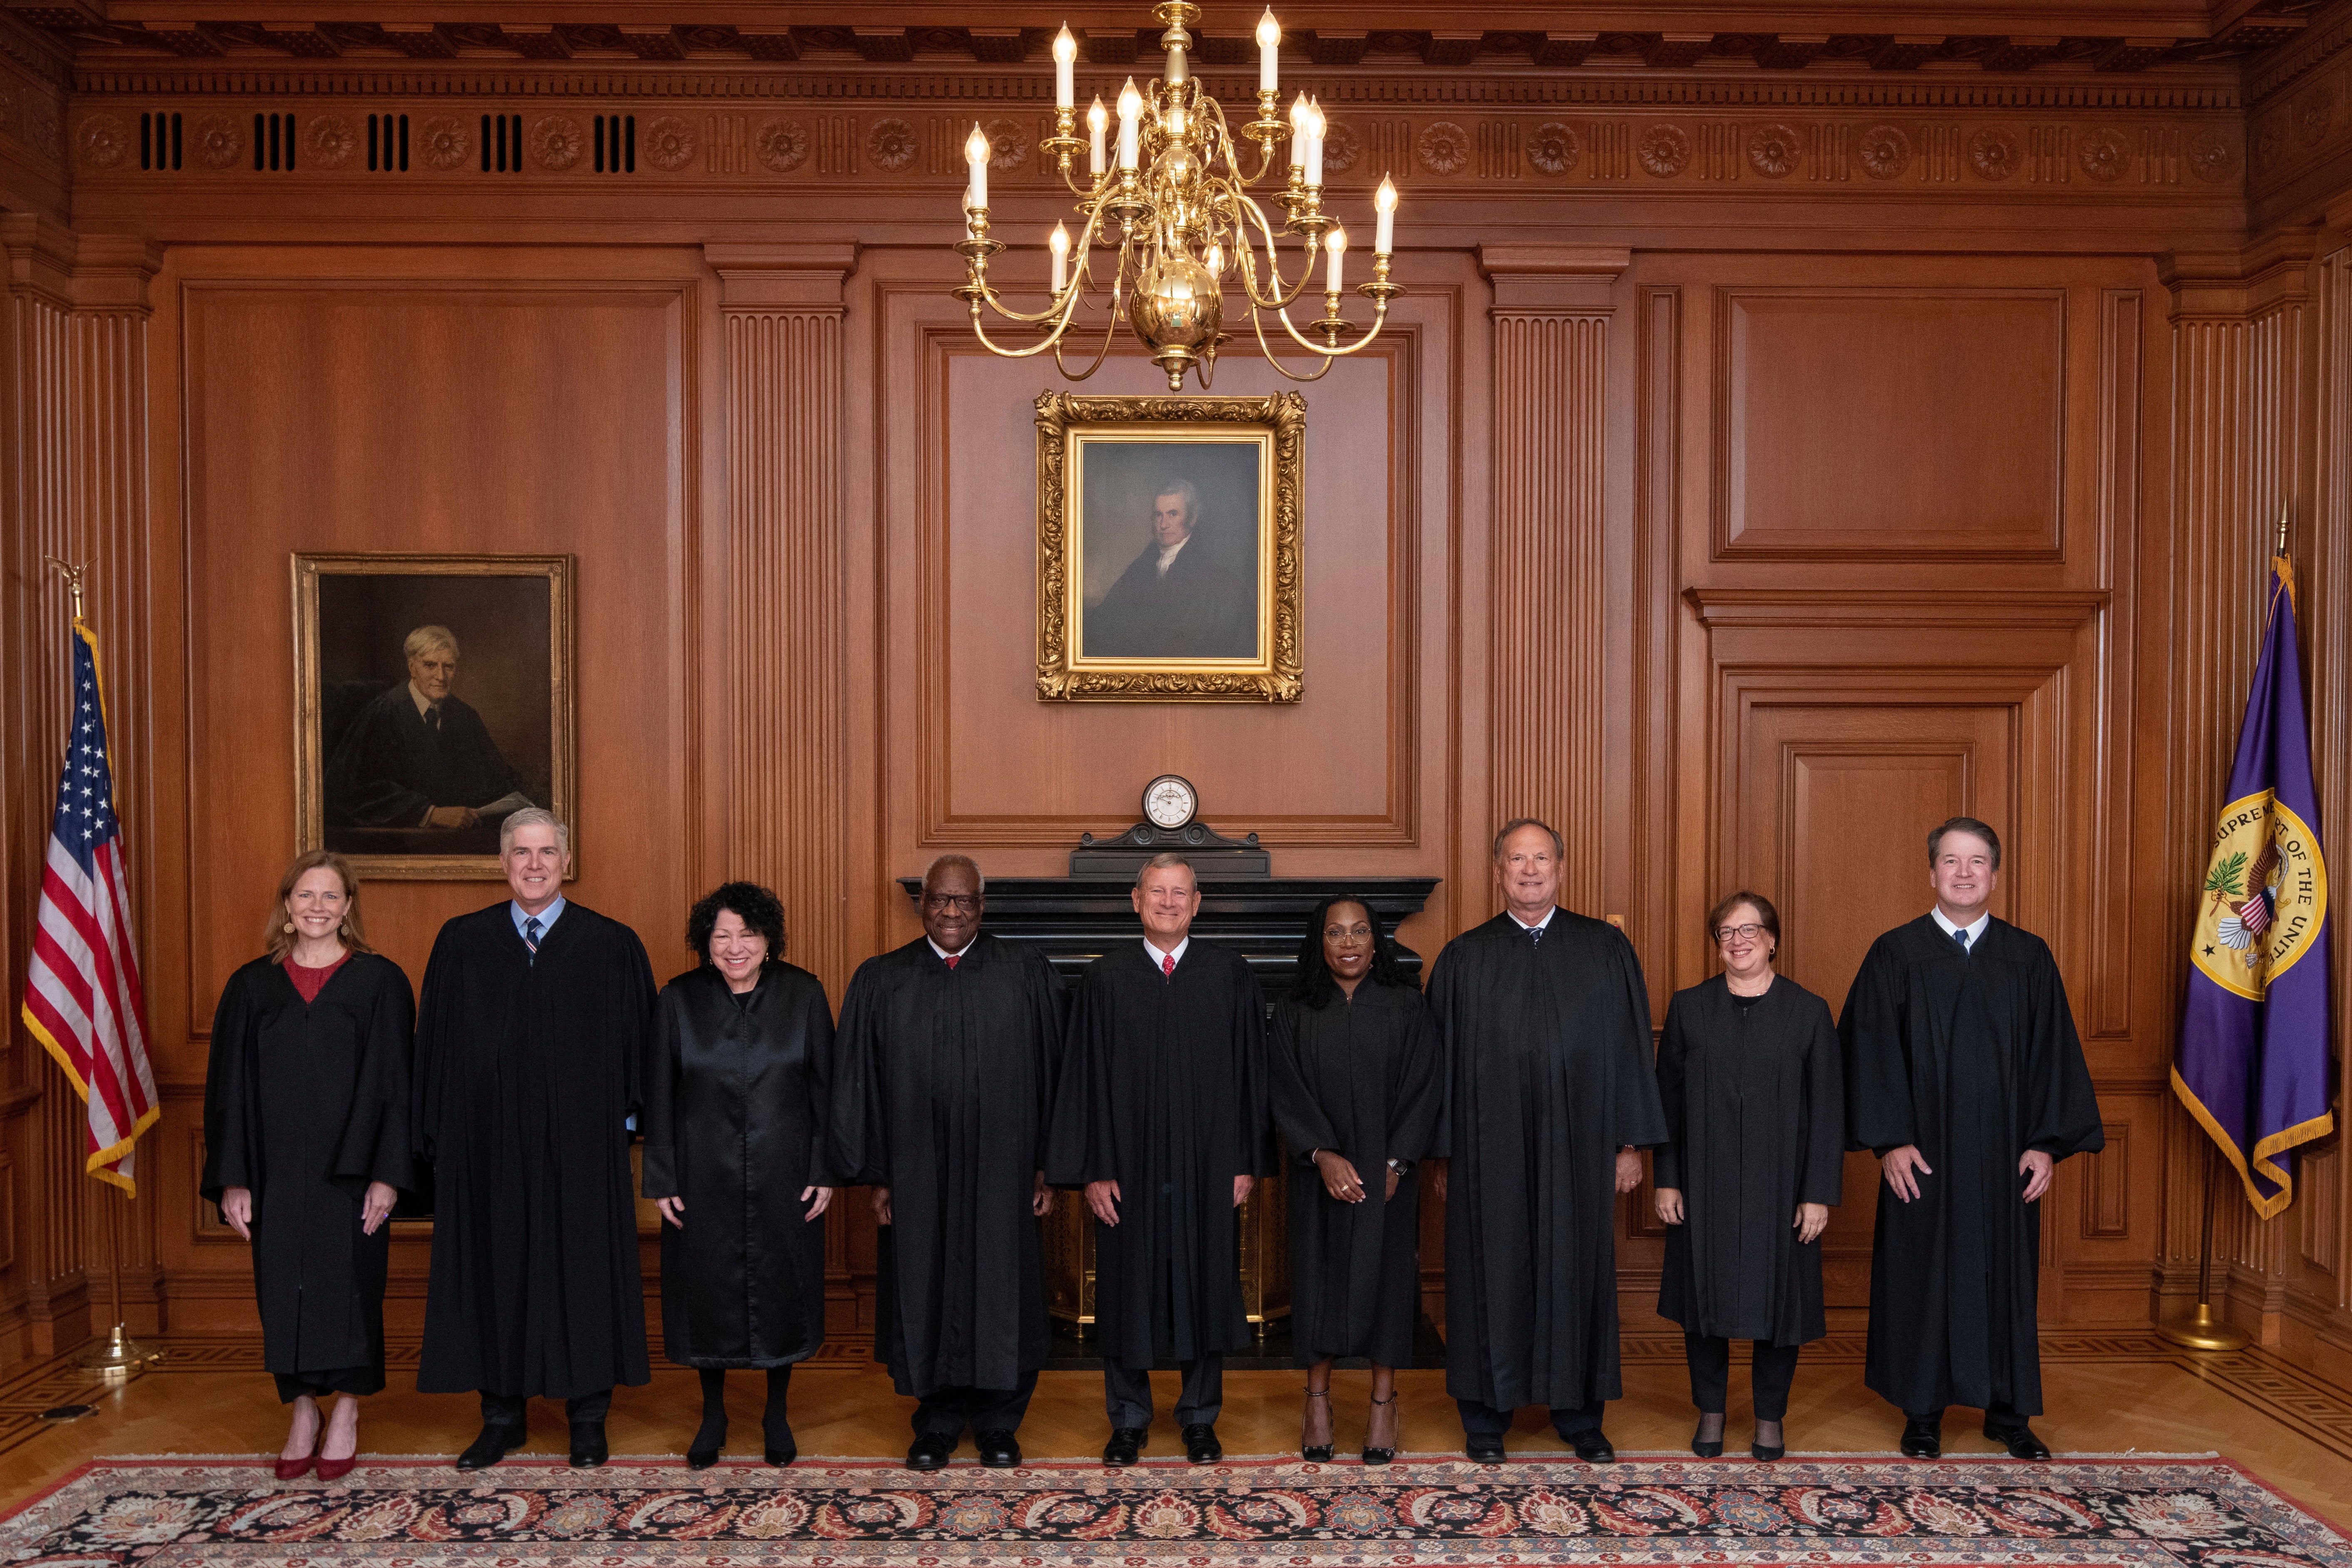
{"points": [[1748, 479]]}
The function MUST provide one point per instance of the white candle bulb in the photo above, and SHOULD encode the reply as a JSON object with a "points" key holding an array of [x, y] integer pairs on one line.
{"points": [[1216, 259], [975, 152], [1384, 202], [1269, 50], [1098, 122], [1316, 125], [1059, 243], [1335, 244], [1298, 131], [1066, 55], [1130, 125]]}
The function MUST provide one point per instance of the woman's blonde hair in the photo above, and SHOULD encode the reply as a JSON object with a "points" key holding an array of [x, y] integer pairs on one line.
{"points": [[277, 935]]}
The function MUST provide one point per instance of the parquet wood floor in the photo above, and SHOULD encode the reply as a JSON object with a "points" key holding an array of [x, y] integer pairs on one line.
{"points": [[2107, 1393]]}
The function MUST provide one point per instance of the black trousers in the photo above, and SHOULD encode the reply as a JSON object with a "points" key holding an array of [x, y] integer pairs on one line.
{"points": [[509, 1409], [354, 1380], [1127, 1392], [1771, 1370], [946, 1412], [1482, 1420], [1998, 1417]]}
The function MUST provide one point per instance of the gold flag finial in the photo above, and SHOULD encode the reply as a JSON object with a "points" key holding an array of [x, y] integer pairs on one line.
{"points": [[2282, 533], [72, 574]]}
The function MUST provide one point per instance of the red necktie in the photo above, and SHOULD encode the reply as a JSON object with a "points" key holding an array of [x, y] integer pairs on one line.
{"points": [[951, 959], [1168, 963]]}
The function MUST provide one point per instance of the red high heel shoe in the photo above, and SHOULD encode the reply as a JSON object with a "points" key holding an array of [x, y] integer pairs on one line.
{"points": [[295, 1469], [336, 1469]]}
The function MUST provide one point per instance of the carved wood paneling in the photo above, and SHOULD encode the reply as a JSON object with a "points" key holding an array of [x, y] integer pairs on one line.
{"points": [[1551, 315], [1818, 386], [783, 309]]}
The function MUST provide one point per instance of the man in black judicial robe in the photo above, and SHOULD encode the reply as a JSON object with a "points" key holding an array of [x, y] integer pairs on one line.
{"points": [[1965, 1076], [1161, 1116], [1174, 600], [532, 1039], [1551, 1089], [419, 755], [943, 1076]]}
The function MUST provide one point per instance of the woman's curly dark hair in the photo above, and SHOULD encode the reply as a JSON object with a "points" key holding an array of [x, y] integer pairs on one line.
{"points": [[1315, 986], [753, 904]]}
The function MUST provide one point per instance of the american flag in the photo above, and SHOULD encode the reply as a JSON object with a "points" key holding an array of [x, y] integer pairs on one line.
{"points": [[82, 998]]}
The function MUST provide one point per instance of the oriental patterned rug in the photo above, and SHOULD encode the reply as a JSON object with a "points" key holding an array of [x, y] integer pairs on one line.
{"points": [[2081, 1512]]}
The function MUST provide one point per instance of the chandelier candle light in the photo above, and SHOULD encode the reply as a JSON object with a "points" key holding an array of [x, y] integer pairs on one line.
{"points": [[1167, 214]]}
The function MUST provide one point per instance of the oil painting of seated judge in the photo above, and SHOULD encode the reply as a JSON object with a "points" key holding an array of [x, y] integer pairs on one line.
{"points": [[435, 699], [419, 755]]}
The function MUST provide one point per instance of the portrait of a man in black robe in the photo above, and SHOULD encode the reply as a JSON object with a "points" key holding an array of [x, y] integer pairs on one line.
{"points": [[1190, 590], [418, 756]]}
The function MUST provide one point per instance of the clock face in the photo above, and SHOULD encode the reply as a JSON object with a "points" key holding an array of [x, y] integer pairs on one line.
{"points": [[1169, 802]]}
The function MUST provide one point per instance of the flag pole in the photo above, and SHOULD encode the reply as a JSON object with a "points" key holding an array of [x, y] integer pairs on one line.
{"points": [[2203, 1329], [117, 1354]]}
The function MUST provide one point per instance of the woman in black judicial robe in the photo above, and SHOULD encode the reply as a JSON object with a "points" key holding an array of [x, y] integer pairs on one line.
{"points": [[1352, 1067], [734, 1126], [306, 1141], [1748, 1072]]}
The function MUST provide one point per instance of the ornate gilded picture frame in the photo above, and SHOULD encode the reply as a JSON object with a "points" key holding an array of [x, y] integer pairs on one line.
{"points": [[1168, 548], [432, 697]]}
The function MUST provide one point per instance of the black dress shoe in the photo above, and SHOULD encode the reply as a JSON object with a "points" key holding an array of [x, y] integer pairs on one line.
{"points": [[998, 1450], [495, 1444], [1201, 1445], [782, 1455], [1484, 1449], [702, 1458], [1591, 1447], [1126, 1443], [1923, 1437], [1767, 1455], [588, 1449], [2020, 1440], [930, 1452], [1316, 1453], [1703, 1449]]}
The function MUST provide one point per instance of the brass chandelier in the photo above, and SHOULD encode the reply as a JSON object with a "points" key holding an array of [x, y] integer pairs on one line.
{"points": [[1170, 202]]}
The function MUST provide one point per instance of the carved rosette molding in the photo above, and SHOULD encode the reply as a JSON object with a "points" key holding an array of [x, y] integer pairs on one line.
{"points": [[75, 457], [1551, 313], [781, 306], [2240, 440]]}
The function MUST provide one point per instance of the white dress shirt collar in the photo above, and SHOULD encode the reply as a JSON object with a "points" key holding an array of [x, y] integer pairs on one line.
{"points": [[1168, 553], [1157, 957], [1543, 924], [1976, 932], [945, 954]]}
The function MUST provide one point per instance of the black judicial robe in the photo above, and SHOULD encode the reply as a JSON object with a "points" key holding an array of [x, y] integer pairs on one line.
{"points": [[1195, 609], [1972, 1057], [1164, 1092], [734, 1124], [391, 767], [305, 1105], [526, 1073], [1360, 1077], [943, 1080], [1755, 1107], [1549, 1073]]}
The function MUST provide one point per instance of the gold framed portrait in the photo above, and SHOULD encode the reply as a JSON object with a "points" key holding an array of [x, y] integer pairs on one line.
{"points": [[1168, 548], [433, 699]]}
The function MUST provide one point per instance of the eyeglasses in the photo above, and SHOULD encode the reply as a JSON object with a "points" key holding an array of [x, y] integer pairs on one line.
{"points": [[961, 903], [1744, 933], [1336, 933]]}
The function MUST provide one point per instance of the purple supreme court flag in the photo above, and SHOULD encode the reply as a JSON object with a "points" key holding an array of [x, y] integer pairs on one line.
{"points": [[2254, 1057]]}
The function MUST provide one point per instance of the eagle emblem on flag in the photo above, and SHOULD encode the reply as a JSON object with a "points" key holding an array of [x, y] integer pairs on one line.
{"points": [[2266, 889]]}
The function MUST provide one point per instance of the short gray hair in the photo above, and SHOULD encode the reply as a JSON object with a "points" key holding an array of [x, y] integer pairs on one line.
{"points": [[1558, 850], [423, 639], [945, 861], [1166, 859], [1191, 499], [533, 816]]}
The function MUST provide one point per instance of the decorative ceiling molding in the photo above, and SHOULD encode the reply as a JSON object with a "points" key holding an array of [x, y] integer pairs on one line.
{"points": [[2165, 92], [95, 38], [2329, 34]]}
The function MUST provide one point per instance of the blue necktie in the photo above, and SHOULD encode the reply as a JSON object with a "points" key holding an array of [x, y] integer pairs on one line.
{"points": [[1534, 935], [531, 935], [1962, 938]]}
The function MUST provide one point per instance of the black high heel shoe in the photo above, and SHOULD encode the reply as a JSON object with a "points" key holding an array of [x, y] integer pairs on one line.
{"points": [[1702, 1449], [1316, 1452], [1773, 1451], [1380, 1456]]}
